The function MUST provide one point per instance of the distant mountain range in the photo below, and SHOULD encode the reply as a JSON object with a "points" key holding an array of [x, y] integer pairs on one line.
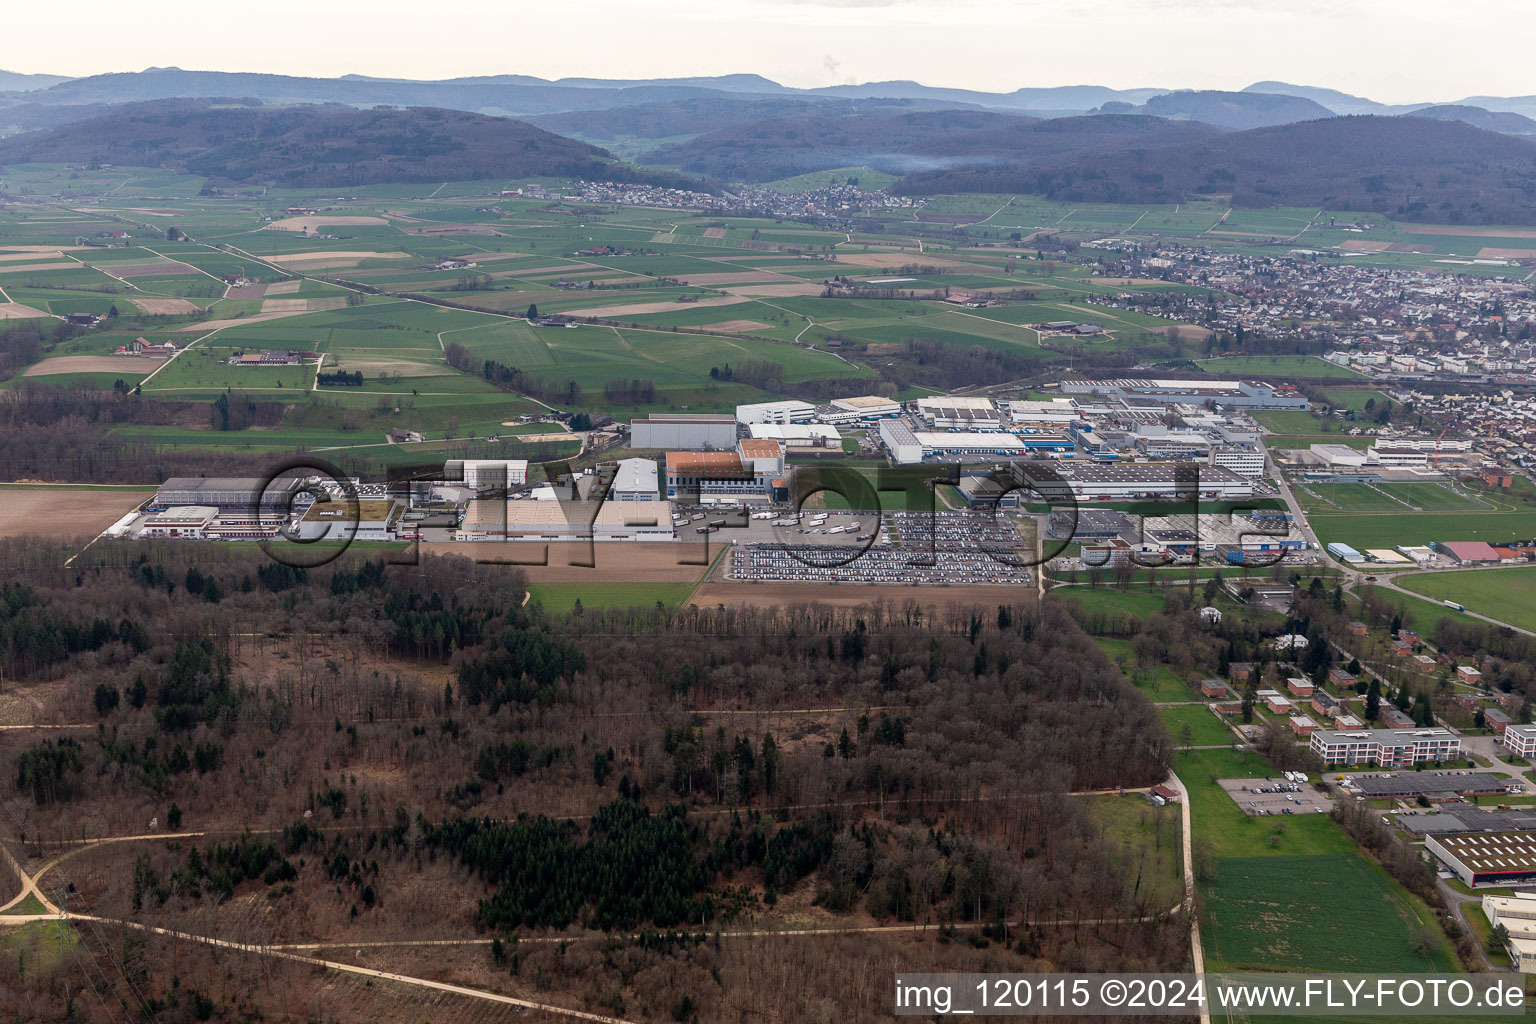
{"points": [[527, 95], [320, 146], [1271, 143]]}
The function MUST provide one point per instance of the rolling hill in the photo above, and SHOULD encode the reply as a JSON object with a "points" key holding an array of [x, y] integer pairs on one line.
{"points": [[1332, 99], [501, 95], [1235, 110], [697, 115], [1492, 120], [916, 143], [782, 147], [318, 146], [12, 81], [1413, 168]]}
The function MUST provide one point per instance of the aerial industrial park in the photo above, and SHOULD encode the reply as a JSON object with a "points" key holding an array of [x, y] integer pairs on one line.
{"points": [[705, 549]]}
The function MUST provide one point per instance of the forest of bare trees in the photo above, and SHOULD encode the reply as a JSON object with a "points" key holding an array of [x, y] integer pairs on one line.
{"points": [[375, 752]]}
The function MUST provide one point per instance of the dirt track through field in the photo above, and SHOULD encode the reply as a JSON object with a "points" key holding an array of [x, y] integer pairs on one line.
{"points": [[167, 269], [638, 308], [308, 224], [211, 325], [736, 277], [776, 290], [738, 325], [302, 305], [310, 257]]}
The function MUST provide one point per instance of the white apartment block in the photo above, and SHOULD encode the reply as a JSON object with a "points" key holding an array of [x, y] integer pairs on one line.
{"points": [[1520, 740], [1390, 748]]}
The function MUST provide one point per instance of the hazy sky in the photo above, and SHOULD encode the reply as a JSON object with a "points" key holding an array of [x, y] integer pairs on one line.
{"points": [[1390, 50]]}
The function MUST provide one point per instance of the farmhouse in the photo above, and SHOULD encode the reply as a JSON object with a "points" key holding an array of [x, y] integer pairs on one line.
{"points": [[151, 349]]}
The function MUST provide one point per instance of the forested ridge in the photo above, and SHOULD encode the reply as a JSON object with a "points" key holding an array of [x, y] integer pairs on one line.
{"points": [[316, 146], [411, 751]]}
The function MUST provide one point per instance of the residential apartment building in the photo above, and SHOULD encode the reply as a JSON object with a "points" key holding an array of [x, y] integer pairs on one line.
{"points": [[1520, 740], [1390, 748]]}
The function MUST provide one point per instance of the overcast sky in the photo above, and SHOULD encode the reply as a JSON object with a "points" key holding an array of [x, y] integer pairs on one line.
{"points": [[1391, 50]]}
